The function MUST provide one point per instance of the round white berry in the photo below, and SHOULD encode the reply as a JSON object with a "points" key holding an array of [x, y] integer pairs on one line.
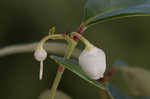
{"points": [[40, 54], [93, 62]]}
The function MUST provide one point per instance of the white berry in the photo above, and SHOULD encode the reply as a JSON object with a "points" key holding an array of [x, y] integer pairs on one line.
{"points": [[40, 54], [93, 62]]}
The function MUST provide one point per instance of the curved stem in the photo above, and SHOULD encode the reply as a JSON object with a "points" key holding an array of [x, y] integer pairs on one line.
{"points": [[84, 40], [81, 29], [55, 36]]}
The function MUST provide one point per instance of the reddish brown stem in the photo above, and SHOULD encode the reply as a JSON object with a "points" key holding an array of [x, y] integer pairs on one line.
{"points": [[80, 31], [60, 68]]}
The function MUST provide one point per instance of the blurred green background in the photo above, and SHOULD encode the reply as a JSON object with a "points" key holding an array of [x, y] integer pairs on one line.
{"points": [[23, 21]]}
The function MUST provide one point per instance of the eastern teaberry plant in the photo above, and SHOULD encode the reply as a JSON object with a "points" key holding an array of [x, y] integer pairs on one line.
{"points": [[92, 60]]}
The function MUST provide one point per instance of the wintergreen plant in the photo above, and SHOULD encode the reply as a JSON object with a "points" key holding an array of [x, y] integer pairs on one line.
{"points": [[92, 60]]}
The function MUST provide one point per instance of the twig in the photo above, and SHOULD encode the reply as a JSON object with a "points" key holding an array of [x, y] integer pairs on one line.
{"points": [[56, 48]]}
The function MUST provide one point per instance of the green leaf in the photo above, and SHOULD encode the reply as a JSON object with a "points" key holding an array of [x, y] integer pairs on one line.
{"points": [[103, 10], [52, 30], [73, 66]]}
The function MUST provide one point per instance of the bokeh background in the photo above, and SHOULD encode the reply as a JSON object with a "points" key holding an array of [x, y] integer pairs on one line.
{"points": [[23, 21]]}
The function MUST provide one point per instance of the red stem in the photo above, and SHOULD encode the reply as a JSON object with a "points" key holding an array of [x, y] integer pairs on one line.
{"points": [[60, 68], [80, 31]]}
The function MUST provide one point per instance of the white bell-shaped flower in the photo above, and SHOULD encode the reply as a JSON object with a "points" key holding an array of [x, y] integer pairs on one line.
{"points": [[93, 62]]}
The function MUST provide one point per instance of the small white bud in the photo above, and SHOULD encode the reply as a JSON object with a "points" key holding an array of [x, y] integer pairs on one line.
{"points": [[93, 62], [40, 54]]}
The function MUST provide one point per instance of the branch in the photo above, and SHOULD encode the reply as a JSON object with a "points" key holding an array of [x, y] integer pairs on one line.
{"points": [[55, 48]]}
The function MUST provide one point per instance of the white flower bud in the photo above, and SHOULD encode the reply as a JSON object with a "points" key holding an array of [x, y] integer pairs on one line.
{"points": [[40, 54], [93, 62]]}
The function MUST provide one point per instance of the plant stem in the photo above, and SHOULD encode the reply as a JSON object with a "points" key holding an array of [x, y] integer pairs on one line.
{"points": [[84, 40], [56, 82], [71, 47]]}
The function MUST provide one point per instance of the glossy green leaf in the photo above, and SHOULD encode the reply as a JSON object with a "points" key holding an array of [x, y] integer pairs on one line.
{"points": [[103, 10], [73, 66]]}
